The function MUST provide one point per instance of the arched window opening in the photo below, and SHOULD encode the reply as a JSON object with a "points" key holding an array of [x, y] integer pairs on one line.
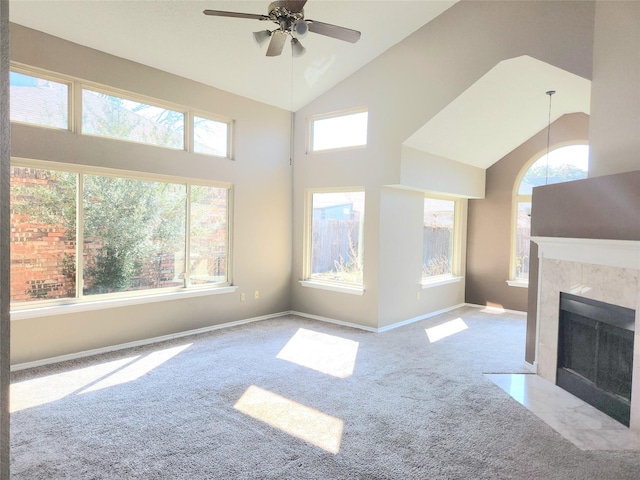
{"points": [[563, 164]]}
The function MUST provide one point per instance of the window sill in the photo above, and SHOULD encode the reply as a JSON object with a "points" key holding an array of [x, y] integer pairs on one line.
{"points": [[518, 283], [353, 290], [86, 306], [442, 280]]}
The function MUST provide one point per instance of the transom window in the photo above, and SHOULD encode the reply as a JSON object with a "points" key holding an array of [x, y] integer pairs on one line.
{"points": [[336, 131], [336, 236], [38, 101], [438, 238], [116, 117], [47, 100], [76, 235], [563, 164]]}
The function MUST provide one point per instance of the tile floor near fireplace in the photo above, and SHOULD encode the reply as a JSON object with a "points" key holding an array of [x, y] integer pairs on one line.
{"points": [[580, 423]]}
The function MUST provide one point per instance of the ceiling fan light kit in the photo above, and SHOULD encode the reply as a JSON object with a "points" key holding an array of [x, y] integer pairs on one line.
{"points": [[289, 16]]}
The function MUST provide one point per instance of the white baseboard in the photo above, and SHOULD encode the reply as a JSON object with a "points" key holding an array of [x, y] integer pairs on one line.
{"points": [[334, 321], [373, 329], [172, 336], [418, 318], [496, 309], [138, 343], [531, 367]]}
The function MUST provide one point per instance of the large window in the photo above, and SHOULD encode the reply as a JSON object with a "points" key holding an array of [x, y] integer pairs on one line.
{"points": [[438, 238], [38, 101], [133, 235], [336, 237], [561, 165], [338, 131]]}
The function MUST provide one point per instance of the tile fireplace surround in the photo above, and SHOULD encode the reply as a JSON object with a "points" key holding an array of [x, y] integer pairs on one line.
{"points": [[604, 270]]}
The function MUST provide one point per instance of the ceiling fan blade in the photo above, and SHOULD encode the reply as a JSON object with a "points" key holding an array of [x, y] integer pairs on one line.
{"points": [[334, 31], [278, 38], [295, 6], [220, 13]]}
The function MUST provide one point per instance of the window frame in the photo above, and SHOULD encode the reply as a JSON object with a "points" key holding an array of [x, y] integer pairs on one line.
{"points": [[308, 281], [54, 77], [517, 198], [82, 302], [76, 86], [133, 97], [456, 250], [215, 118], [336, 114]]}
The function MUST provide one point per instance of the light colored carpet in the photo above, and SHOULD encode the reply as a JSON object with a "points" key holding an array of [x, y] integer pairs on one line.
{"points": [[291, 398]]}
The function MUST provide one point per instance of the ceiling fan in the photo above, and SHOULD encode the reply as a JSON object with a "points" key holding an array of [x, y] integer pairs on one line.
{"points": [[289, 16]]}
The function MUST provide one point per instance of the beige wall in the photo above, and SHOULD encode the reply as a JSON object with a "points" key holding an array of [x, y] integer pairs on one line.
{"points": [[260, 174], [615, 89], [5, 142], [489, 230], [404, 88]]}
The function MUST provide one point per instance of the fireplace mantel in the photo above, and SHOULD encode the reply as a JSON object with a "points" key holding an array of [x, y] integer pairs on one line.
{"points": [[610, 253]]}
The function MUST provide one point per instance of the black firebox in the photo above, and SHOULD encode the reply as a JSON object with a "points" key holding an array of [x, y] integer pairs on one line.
{"points": [[595, 353]]}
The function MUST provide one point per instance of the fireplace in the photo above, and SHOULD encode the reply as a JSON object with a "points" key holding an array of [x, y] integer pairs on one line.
{"points": [[605, 271], [595, 353]]}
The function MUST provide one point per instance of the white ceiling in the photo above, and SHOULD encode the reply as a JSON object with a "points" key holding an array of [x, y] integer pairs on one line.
{"points": [[175, 36], [503, 109]]}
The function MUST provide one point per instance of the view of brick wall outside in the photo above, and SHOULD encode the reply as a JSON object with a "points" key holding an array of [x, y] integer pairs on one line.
{"points": [[42, 256], [43, 264]]}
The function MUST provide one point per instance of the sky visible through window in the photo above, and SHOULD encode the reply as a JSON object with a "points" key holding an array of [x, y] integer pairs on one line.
{"points": [[339, 132]]}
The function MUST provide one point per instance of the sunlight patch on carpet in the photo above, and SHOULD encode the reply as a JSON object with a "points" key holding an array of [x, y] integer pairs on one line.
{"points": [[330, 354], [446, 329], [293, 418], [43, 390], [137, 369]]}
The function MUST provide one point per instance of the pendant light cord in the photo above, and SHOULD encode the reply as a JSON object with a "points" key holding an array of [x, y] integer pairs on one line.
{"points": [[546, 175]]}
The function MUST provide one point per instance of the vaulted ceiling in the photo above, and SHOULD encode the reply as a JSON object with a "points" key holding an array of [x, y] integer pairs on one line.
{"points": [[500, 111]]}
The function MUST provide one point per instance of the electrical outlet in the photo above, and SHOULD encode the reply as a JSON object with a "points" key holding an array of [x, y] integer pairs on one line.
{"points": [[418, 296], [257, 295], [242, 297]]}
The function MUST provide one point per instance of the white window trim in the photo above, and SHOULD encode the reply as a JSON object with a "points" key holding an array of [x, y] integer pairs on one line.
{"points": [[334, 287], [116, 299], [77, 85], [216, 118], [458, 233], [430, 282], [91, 305], [518, 198], [336, 114], [46, 75], [308, 222]]}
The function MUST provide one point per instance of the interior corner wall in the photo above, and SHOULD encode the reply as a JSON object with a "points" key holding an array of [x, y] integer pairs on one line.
{"points": [[615, 90], [489, 223], [260, 174], [5, 141], [403, 89]]}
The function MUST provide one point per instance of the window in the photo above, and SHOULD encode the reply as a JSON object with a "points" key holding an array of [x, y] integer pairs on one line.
{"points": [[210, 137], [339, 131], [438, 238], [336, 237], [133, 236], [38, 101], [564, 164], [115, 117]]}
